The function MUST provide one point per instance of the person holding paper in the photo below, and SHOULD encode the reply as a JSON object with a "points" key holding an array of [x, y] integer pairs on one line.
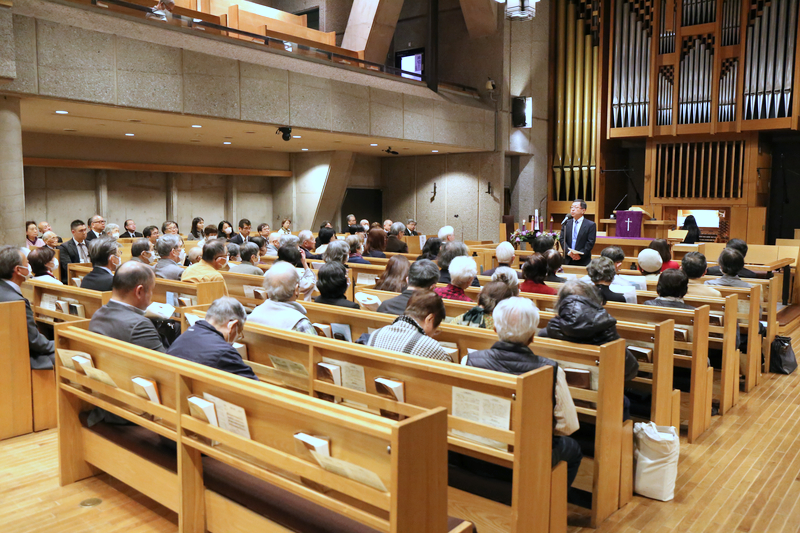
{"points": [[412, 332], [14, 270], [281, 310], [516, 320], [122, 318], [210, 341], [423, 274], [578, 237]]}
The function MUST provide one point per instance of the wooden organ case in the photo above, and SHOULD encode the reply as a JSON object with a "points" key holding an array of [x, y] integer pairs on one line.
{"points": [[702, 83]]}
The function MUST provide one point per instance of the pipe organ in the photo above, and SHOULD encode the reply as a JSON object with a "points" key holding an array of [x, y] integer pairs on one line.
{"points": [[576, 99], [630, 105], [694, 98]]}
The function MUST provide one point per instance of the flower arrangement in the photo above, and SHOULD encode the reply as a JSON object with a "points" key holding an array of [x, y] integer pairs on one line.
{"points": [[525, 235]]}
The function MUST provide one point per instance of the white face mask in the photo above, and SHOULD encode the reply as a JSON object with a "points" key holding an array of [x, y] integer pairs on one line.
{"points": [[182, 257], [228, 230], [55, 263], [116, 263], [28, 274], [224, 262], [115, 235]]}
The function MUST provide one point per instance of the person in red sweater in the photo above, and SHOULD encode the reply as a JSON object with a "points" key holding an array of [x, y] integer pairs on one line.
{"points": [[534, 271], [662, 247], [462, 271]]}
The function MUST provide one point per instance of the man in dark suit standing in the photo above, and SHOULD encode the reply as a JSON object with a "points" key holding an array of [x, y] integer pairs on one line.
{"points": [[14, 270], [244, 233], [122, 318], [96, 224], [75, 250], [130, 230], [393, 243], [578, 236], [106, 258]]}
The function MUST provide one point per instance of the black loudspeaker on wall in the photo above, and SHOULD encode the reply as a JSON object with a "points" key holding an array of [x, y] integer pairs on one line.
{"points": [[518, 112]]}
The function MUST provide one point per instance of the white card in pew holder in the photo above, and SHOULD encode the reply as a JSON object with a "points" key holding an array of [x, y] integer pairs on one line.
{"points": [[250, 290], [99, 375], [66, 357], [483, 409], [422, 240], [352, 375], [350, 471], [192, 319], [230, 417], [315, 444], [365, 278], [288, 366], [159, 310], [49, 302]]}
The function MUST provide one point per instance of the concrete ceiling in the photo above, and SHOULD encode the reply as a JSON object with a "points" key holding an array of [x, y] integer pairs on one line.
{"points": [[92, 120]]}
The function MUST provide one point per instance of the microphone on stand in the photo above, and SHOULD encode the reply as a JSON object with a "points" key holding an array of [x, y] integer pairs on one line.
{"points": [[619, 204], [566, 217]]}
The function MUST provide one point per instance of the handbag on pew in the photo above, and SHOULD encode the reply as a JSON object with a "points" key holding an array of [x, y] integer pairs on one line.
{"points": [[782, 359]]}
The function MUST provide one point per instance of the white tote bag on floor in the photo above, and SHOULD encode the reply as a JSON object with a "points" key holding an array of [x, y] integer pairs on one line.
{"points": [[656, 450]]}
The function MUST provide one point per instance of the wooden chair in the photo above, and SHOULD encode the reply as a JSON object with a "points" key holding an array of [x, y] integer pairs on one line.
{"points": [[388, 475]]}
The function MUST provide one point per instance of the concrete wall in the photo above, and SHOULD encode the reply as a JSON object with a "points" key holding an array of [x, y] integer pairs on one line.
{"points": [[108, 60], [461, 184]]}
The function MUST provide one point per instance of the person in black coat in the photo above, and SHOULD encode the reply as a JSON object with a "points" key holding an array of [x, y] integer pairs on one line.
{"points": [[602, 271], [14, 270], [105, 260], [332, 282], [448, 252], [75, 250], [740, 246], [515, 320], [422, 275], [672, 287], [209, 342], [130, 230], [585, 237], [393, 243]]}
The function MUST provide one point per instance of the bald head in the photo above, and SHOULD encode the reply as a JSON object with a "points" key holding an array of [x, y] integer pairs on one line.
{"points": [[281, 282], [133, 284]]}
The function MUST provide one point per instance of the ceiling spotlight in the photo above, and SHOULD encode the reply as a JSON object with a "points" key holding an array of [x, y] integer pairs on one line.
{"points": [[196, 126], [286, 132], [304, 149], [390, 151], [435, 151], [374, 144], [297, 137], [226, 142], [62, 112], [129, 135]]}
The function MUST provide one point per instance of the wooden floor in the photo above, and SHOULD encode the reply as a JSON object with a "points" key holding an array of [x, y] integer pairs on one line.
{"points": [[743, 475]]}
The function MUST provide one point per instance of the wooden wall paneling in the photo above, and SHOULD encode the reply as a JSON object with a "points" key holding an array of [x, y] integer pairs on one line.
{"points": [[756, 225], [738, 223]]}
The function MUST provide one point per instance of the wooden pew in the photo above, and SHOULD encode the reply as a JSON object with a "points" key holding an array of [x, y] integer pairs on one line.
{"points": [[472, 338], [413, 473], [428, 384], [665, 405], [91, 301], [16, 381], [240, 17]]}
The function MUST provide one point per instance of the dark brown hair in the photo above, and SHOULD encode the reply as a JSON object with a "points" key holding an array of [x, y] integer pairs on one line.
{"points": [[394, 277], [535, 268], [662, 247], [424, 303], [492, 294], [376, 240], [38, 258]]}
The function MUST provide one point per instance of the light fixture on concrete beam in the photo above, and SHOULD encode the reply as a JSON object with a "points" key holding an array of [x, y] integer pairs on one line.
{"points": [[521, 9]]}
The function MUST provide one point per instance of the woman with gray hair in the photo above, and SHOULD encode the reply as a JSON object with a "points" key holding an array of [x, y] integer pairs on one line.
{"points": [[111, 230], [515, 321], [602, 271], [462, 272], [508, 276], [338, 251], [281, 310], [209, 341], [504, 254]]}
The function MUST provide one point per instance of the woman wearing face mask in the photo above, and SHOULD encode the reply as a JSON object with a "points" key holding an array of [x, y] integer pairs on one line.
{"points": [[32, 239], [42, 263], [209, 342], [250, 256], [111, 230], [225, 230], [197, 229]]}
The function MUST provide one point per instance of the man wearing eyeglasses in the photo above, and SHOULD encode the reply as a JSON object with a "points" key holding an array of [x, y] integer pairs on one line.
{"points": [[215, 257], [209, 342], [106, 258]]}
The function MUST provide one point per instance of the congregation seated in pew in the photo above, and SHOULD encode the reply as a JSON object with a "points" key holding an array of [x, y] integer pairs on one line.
{"points": [[337, 251], [554, 261], [215, 257], [356, 244], [14, 270], [210, 341], [695, 266], [142, 251], [292, 255], [423, 274], [171, 257], [672, 287], [740, 246], [480, 316], [395, 277], [250, 258], [412, 332], [515, 320], [332, 282], [508, 276], [106, 257], [42, 262], [448, 252], [602, 273], [431, 249], [649, 262], [663, 248], [376, 243], [462, 271], [234, 252], [731, 262], [535, 271], [504, 254], [281, 309]]}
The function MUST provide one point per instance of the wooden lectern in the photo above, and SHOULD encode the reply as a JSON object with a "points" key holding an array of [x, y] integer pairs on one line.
{"points": [[651, 229]]}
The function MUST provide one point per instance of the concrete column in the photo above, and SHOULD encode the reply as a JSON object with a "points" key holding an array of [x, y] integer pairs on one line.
{"points": [[172, 196], [12, 181], [231, 193], [101, 192]]}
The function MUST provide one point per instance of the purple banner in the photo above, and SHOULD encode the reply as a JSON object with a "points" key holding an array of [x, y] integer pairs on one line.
{"points": [[629, 224]]}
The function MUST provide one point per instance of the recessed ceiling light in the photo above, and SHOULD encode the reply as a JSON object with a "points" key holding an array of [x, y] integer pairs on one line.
{"points": [[226, 142], [304, 149], [434, 151], [297, 136], [70, 129], [62, 112], [373, 144], [129, 135], [196, 126]]}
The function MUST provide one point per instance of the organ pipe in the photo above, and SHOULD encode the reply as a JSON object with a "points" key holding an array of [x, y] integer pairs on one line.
{"points": [[631, 64], [577, 75]]}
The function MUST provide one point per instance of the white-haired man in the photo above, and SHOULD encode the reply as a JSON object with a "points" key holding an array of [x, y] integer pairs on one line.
{"points": [[393, 243], [462, 271], [281, 310], [447, 233], [307, 244], [515, 320], [505, 255], [273, 243]]}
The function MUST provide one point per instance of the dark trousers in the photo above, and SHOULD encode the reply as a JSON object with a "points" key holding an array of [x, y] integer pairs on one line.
{"points": [[568, 450]]}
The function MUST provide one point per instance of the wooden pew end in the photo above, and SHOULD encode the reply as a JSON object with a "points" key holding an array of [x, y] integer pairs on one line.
{"points": [[558, 498], [626, 464], [43, 389]]}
